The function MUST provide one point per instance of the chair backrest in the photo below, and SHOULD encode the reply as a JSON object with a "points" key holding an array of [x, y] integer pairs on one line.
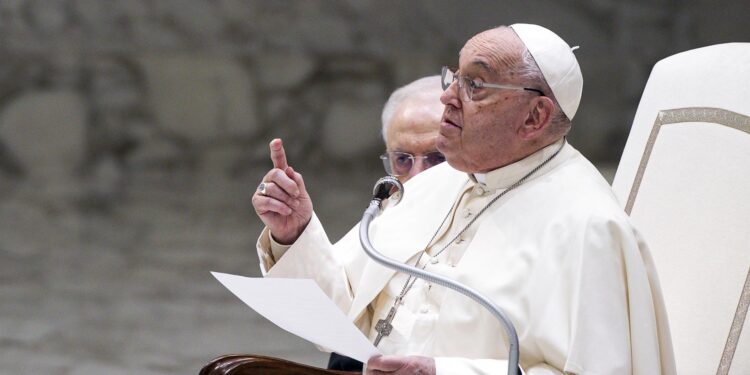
{"points": [[684, 178]]}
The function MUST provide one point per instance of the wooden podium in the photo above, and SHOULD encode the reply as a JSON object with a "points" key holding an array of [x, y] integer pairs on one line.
{"points": [[246, 364]]}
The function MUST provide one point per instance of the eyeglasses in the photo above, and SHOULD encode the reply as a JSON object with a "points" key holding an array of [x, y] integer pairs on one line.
{"points": [[470, 89], [398, 163]]}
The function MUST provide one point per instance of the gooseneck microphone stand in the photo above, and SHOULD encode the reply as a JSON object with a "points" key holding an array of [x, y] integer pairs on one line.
{"points": [[390, 187]]}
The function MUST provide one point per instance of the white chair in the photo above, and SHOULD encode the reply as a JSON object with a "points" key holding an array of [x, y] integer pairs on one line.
{"points": [[684, 178]]}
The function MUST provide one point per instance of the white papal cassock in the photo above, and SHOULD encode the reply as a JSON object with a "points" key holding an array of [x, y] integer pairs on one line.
{"points": [[558, 254]]}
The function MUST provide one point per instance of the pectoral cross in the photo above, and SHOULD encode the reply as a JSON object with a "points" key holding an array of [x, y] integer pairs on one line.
{"points": [[384, 326]]}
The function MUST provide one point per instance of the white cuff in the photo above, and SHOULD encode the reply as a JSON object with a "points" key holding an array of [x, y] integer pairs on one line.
{"points": [[277, 249]]}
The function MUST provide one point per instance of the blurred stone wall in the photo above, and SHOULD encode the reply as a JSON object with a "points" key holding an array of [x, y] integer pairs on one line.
{"points": [[98, 90]]}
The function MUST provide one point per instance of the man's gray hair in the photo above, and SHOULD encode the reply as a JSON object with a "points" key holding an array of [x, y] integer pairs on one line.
{"points": [[421, 87], [529, 70]]}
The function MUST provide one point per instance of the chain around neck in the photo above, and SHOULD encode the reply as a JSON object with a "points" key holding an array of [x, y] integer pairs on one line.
{"points": [[411, 280]]}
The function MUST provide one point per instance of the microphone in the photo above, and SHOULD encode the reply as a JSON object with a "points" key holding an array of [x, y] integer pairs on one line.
{"points": [[390, 187]]}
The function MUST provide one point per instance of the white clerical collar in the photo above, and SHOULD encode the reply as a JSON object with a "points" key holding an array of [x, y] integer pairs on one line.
{"points": [[480, 177], [503, 177]]}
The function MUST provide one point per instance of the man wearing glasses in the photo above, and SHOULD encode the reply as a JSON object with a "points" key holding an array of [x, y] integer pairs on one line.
{"points": [[411, 121], [516, 213]]}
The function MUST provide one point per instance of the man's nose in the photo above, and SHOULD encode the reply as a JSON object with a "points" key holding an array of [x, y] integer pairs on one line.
{"points": [[450, 96]]}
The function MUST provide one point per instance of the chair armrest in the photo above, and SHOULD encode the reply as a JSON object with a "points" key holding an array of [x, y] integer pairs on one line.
{"points": [[248, 364]]}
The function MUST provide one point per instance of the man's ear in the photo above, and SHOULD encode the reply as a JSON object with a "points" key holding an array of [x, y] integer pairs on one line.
{"points": [[538, 118]]}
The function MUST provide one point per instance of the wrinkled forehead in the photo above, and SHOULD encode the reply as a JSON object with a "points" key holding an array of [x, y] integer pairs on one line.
{"points": [[423, 110], [493, 51]]}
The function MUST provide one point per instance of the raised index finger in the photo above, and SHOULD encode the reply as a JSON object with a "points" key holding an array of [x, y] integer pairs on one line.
{"points": [[278, 156]]}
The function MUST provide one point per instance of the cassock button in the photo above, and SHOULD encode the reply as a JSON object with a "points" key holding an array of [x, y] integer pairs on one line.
{"points": [[467, 213]]}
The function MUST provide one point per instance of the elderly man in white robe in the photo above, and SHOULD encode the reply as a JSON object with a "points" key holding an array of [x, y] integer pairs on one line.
{"points": [[516, 213]]}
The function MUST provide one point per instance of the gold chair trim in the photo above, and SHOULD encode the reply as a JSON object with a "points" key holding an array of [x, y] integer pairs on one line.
{"points": [[708, 115]]}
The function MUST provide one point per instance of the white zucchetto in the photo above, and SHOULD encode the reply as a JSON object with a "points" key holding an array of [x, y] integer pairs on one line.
{"points": [[557, 62]]}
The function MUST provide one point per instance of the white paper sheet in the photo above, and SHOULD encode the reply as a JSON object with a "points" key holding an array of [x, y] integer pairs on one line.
{"points": [[300, 307]]}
